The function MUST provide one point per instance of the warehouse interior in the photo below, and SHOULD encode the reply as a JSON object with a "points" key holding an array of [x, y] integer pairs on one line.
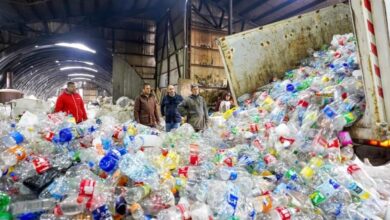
{"points": [[111, 47]]}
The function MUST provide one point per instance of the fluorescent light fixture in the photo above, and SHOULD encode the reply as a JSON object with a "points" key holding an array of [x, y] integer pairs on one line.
{"points": [[76, 46], [80, 79], [57, 61], [81, 74], [78, 67]]}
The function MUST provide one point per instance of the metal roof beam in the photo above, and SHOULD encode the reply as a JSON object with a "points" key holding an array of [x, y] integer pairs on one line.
{"points": [[49, 5], [297, 11], [67, 8], [253, 6], [274, 9]]}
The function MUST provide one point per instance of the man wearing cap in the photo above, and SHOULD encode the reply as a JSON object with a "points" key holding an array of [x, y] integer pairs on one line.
{"points": [[195, 108]]}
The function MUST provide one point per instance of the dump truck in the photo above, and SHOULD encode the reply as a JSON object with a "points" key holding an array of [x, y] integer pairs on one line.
{"points": [[252, 58]]}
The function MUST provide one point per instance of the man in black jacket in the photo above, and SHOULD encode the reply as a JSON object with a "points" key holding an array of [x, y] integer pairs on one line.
{"points": [[169, 109]]}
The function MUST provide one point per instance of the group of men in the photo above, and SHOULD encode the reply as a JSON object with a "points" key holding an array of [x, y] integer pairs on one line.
{"points": [[173, 107]]}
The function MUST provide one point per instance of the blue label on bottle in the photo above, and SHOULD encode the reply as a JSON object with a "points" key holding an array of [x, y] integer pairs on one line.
{"points": [[102, 213], [232, 201], [328, 188]]}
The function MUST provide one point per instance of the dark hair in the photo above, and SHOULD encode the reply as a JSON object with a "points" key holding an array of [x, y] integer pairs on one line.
{"points": [[146, 84], [69, 84]]}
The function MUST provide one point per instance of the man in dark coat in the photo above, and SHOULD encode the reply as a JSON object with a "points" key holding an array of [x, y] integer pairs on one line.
{"points": [[169, 109], [145, 108]]}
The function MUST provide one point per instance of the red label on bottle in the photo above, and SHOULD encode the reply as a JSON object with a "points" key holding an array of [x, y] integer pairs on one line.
{"points": [[284, 213], [284, 140], [41, 164], [183, 171], [353, 168], [49, 136], [254, 128], [228, 161], [269, 159], [87, 187], [182, 210], [335, 143], [194, 154], [321, 141], [258, 145]]}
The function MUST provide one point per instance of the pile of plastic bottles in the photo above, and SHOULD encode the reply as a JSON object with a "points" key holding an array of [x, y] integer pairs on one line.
{"points": [[283, 155]]}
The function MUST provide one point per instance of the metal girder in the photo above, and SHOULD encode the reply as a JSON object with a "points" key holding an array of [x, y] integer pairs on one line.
{"points": [[197, 12], [82, 7], [211, 14], [235, 15], [67, 8], [221, 19], [273, 10], [174, 43], [297, 11], [230, 17], [253, 6], [18, 12], [40, 18], [50, 6]]}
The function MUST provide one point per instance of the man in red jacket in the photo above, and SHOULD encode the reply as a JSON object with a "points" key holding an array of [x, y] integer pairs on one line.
{"points": [[71, 102]]}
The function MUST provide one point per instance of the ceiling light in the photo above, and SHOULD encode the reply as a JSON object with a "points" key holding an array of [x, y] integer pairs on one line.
{"points": [[76, 46], [78, 67], [80, 79], [81, 74]]}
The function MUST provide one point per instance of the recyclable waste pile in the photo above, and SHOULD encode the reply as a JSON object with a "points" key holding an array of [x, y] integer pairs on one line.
{"points": [[121, 111], [282, 155]]}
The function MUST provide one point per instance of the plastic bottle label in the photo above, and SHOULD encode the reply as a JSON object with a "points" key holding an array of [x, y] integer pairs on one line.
{"points": [[266, 203], [102, 213], [41, 164], [18, 151], [232, 201], [269, 159], [359, 191], [353, 168], [194, 154], [328, 188], [87, 188], [345, 138], [284, 213], [317, 198]]}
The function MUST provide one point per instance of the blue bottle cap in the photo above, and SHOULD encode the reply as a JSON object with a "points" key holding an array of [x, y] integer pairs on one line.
{"points": [[17, 136], [329, 112], [108, 163], [233, 175], [65, 135], [290, 87]]}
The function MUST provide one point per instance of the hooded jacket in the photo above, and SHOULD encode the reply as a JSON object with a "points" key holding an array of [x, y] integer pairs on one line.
{"points": [[71, 103]]}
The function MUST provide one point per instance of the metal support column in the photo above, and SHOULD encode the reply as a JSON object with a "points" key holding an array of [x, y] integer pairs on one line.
{"points": [[230, 16]]}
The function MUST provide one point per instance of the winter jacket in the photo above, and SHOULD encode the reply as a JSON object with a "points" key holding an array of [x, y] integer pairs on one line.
{"points": [[71, 103], [145, 110], [195, 108], [169, 108]]}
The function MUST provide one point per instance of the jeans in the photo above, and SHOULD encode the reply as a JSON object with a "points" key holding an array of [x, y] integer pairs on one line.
{"points": [[171, 125]]}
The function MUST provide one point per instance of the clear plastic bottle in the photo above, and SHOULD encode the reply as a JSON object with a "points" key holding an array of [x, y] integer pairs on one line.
{"points": [[136, 194]]}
